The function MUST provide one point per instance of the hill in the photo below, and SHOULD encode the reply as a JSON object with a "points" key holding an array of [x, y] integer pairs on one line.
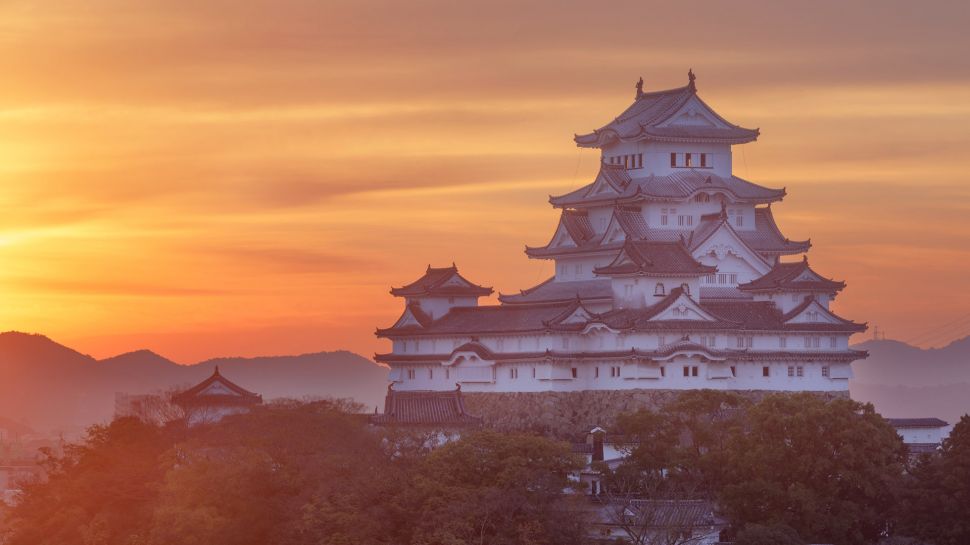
{"points": [[908, 381], [53, 387]]}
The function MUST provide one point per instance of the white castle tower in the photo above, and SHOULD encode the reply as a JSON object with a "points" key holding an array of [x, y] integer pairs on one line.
{"points": [[670, 274]]}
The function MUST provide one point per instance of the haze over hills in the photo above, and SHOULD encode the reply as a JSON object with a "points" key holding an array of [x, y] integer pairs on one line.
{"points": [[51, 387], [907, 381]]}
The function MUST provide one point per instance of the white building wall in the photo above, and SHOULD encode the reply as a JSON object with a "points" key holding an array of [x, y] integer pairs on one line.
{"points": [[656, 157]]}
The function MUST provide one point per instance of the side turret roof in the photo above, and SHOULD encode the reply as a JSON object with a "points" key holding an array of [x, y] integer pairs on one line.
{"points": [[797, 276], [443, 282], [656, 116], [217, 390]]}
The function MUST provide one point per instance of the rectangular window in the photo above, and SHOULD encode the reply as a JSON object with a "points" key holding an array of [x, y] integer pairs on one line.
{"points": [[663, 371], [575, 372], [808, 342], [688, 160], [663, 216], [832, 342], [533, 372], [686, 370], [800, 371], [766, 371], [703, 160], [816, 341], [782, 342], [639, 160], [791, 371], [734, 371], [673, 160], [513, 373], [825, 370], [431, 374], [410, 374], [596, 372], [693, 371]]}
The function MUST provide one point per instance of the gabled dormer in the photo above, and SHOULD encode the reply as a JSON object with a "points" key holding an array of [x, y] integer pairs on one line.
{"points": [[787, 284], [811, 315]]}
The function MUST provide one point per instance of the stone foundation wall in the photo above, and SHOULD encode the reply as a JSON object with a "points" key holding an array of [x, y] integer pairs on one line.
{"points": [[570, 415]]}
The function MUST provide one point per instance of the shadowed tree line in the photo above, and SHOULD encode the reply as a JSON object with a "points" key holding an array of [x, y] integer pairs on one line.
{"points": [[790, 469]]}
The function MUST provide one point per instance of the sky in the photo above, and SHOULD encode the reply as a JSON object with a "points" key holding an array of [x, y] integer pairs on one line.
{"points": [[221, 178]]}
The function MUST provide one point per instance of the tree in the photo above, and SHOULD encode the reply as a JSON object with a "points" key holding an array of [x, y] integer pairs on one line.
{"points": [[828, 469], [495, 488], [935, 502], [100, 491]]}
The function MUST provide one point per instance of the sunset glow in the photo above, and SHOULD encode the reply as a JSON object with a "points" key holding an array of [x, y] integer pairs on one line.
{"points": [[202, 181]]}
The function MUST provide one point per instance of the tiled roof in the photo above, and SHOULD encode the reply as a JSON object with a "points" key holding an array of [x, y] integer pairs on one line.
{"points": [[723, 293], [677, 186], [197, 394], [667, 514], [655, 258], [809, 301], [916, 422], [482, 320], [783, 278], [645, 119], [436, 281], [551, 291], [922, 448], [577, 224], [425, 408], [521, 318], [767, 238]]}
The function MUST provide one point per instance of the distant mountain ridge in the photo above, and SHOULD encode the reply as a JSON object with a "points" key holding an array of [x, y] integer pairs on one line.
{"points": [[908, 381], [48, 386], [53, 387]]}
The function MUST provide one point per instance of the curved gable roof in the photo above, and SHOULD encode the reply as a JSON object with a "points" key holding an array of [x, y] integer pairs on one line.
{"points": [[650, 117]]}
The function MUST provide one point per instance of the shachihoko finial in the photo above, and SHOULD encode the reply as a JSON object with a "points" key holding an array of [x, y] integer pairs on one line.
{"points": [[640, 88], [690, 79]]}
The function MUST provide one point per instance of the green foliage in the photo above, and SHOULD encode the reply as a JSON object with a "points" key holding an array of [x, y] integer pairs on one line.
{"points": [[936, 497], [685, 441], [828, 469], [756, 534], [296, 474], [495, 488], [100, 492]]}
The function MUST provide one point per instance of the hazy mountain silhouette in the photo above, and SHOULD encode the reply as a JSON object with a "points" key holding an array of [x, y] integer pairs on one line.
{"points": [[52, 387], [903, 380]]}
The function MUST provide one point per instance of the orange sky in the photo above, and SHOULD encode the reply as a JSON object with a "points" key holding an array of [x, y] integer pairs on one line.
{"points": [[217, 179]]}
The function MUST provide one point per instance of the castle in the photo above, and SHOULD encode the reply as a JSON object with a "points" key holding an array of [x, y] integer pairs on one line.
{"points": [[670, 273]]}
